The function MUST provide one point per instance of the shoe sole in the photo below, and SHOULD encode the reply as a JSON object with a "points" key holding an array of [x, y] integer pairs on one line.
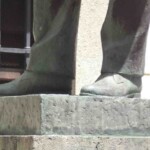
{"points": [[133, 95]]}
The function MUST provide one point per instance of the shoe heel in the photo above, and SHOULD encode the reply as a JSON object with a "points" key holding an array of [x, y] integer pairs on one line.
{"points": [[134, 95]]}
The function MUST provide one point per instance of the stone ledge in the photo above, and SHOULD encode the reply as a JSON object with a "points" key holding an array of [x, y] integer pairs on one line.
{"points": [[73, 143], [74, 115]]}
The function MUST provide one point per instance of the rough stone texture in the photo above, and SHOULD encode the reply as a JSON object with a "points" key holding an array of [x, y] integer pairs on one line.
{"points": [[74, 115], [16, 143], [90, 143], [95, 115], [74, 143], [20, 115]]}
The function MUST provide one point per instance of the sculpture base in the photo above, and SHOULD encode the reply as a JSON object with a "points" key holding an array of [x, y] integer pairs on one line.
{"points": [[63, 122], [74, 115], [73, 143]]}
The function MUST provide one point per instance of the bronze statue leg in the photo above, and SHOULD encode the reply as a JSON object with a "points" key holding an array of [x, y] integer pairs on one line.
{"points": [[123, 39], [50, 69], [124, 35], [55, 28]]}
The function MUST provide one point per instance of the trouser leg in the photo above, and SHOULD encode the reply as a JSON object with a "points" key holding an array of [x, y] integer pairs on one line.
{"points": [[55, 29], [124, 35], [51, 66]]}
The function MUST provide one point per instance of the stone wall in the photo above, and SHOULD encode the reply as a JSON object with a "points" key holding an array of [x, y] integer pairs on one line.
{"points": [[146, 78], [89, 51]]}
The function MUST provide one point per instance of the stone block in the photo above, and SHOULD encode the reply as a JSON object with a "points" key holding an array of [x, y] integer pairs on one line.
{"points": [[16, 143], [73, 143], [74, 115]]}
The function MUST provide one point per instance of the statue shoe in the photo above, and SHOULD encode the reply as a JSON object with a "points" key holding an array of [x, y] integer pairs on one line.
{"points": [[35, 83], [116, 85]]}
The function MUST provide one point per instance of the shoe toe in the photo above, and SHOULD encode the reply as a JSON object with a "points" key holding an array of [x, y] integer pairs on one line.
{"points": [[88, 90]]}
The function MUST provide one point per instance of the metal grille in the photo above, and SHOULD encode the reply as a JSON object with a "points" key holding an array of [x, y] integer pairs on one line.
{"points": [[15, 37]]}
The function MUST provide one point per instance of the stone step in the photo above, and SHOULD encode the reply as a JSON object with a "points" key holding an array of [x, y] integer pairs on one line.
{"points": [[74, 143], [74, 115]]}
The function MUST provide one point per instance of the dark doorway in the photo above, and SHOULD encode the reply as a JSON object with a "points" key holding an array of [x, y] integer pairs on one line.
{"points": [[16, 37]]}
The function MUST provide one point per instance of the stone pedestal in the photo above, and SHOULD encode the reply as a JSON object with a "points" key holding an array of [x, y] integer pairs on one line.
{"points": [[63, 122], [74, 143], [74, 115]]}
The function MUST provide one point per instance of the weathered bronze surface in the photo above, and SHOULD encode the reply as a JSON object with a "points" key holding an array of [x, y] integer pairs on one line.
{"points": [[51, 64], [124, 35], [123, 39]]}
